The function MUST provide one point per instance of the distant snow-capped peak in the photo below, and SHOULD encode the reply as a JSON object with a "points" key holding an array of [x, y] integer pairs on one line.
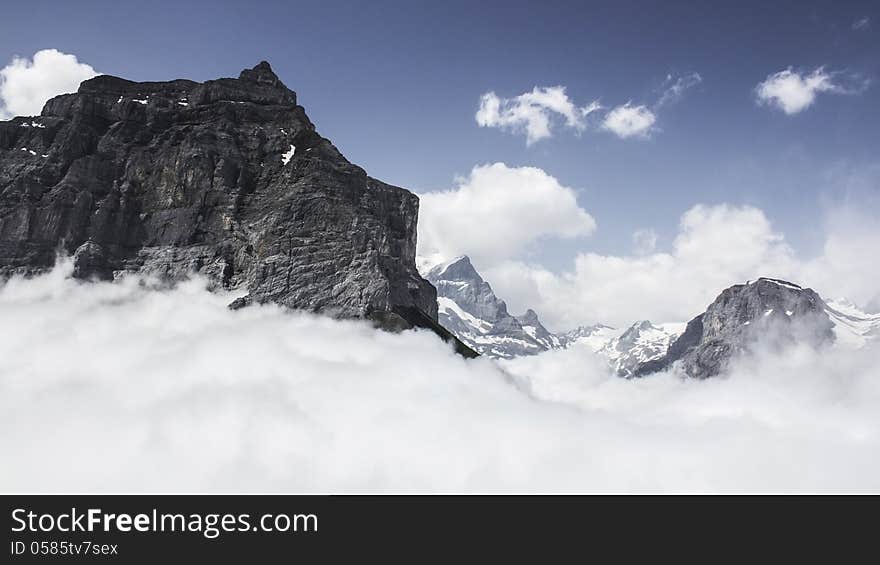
{"points": [[641, 342], [468, 307]]}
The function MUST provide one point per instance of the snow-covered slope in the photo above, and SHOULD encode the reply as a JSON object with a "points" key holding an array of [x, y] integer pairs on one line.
{"points": [[641, 342], [536, 330], [595, 337], [468, 308], [852, 327]]}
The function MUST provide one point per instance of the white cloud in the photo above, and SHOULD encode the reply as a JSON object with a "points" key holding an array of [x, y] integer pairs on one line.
{"points": [[862, 23], [845, 267], [177, 393], [674, 88], [793, 92], [496, 212], [26, 85], [764, 405], [716, 246], [629, 121], [533, 112], [644, 241]]}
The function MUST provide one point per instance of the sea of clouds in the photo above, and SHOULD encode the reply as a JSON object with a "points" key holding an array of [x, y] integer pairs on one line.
{"points": [[128, 386]]}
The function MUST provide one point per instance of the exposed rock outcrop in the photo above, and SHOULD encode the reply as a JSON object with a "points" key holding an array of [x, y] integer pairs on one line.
{"points": [[226, 178], [767, 313]]}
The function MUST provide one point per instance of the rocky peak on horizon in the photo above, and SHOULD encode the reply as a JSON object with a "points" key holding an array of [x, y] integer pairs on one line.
{"points": [[458, 279], [530, 318], [469, 308], [262, 73], [766, 313]]}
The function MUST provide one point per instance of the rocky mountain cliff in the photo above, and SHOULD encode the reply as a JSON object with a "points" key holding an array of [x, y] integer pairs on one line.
{"points": [[767, 313], [469, 309], [227, 178]]}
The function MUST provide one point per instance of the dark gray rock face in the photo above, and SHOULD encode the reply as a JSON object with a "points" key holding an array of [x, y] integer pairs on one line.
{"points": [[226, 178], [469, 309], [767, 313]]}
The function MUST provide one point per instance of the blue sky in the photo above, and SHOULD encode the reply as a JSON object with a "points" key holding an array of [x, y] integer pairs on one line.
{"points": [[395, 85]]}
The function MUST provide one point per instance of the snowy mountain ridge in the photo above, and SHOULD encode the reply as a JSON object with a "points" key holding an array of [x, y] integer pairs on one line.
{"points": [[852, 327], [469, 308], [641, 342]]}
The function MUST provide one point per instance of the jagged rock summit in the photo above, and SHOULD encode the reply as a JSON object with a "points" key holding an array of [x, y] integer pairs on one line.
{"points": [[227, 178], [469, 309], [766, 313]]}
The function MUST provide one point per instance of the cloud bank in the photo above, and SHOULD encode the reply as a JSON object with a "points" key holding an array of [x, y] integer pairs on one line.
{"points": [[499, 214], [124, 387], [26, 84], [716, 246], [496, 212]]}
